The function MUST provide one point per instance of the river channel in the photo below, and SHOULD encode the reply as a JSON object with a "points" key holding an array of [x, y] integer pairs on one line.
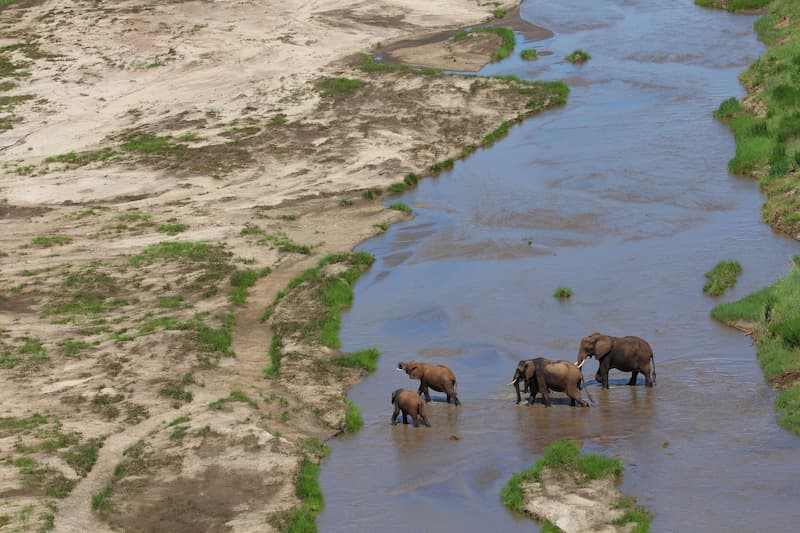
{"points": [[624, 197]]}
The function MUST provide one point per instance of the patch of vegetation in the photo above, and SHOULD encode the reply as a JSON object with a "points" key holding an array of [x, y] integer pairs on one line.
{"points": [[370, 64], [27, 353], [241, 280], [12, 426], [499, 13], [529, 54], [383, 226], [733, 5], [352, 418], [400, 206], [366, 360], [562, 293], [561, 456], [175, 389], [151, 144], [236, 395], [728, 109], [275, 356], [722, 277], [172, 228], [279, 240], [634, 514], [578, 56], [371, 194], [79, 159], [773, 315], [74, 347], [397, 187], [439, 166], [42, 480], [100, 500], [337, 87], [81, 457], [46, 241]]}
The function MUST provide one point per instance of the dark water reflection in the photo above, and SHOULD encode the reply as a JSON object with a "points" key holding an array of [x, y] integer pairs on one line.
{"points": [[623, 197]]}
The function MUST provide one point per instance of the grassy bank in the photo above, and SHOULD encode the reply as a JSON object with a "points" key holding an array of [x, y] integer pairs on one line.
{"points": [[766, 126], [563, 458], [773, 314]]}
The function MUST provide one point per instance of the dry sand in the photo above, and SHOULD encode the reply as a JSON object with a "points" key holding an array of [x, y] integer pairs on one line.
{"points": [[241, 150]]}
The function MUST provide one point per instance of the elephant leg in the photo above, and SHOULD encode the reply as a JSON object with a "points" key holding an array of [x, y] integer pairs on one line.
{"points": [[427, 394], [394, 415], [423, 417], [516, 388], [602, 372], [575, 397], [648, 381], [414, 418], [405, 417], [546, 397], [451, 393], [632, 381]]}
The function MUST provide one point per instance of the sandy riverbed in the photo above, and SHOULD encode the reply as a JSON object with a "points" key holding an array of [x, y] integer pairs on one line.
{"points": [[199, 122]]}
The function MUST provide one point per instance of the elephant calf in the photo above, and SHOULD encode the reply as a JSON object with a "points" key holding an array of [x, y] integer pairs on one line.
{"points": [[437, 377], [629, 354], [542, 375], [409, 403]]}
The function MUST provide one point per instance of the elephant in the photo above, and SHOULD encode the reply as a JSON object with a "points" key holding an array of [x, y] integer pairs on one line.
{"points": [[629, 354], [437, 377], [542, 375], [409, 403]]}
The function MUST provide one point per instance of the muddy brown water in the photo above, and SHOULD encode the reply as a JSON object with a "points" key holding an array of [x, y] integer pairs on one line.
{"points": [[623, 196]]}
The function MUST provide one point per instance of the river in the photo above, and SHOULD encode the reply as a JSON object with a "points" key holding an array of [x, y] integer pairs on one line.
{"points": [[623, 196]]}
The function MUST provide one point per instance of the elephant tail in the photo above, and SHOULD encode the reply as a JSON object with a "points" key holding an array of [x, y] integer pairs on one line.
{"points": [[653, 365]]}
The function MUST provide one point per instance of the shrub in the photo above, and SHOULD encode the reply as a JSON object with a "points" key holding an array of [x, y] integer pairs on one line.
{"points": [[578, 56], [399, 206], [728, 108], [529, 54], [352, 418], [337, 87]]}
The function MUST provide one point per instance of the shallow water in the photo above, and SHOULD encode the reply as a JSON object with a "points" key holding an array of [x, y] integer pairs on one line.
{"points": [[623, 196]]}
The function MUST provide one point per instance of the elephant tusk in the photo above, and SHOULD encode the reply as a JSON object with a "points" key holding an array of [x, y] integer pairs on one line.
{"points": [[399, 369], [580, 364], [512, 382]]}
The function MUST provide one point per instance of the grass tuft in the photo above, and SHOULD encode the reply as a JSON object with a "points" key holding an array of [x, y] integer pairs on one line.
{"points": [[529, 54], [337, 87], [578, 56], [400, 206], [562, 293], [352, 418], [722, 277]]}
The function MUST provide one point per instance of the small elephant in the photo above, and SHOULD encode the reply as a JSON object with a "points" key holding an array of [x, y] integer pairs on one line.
{"points": [[629, 354], [409, 403], [542, 375], [437, 377]]}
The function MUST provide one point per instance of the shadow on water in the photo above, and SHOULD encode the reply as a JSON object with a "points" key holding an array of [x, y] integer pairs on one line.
{"points": [[622, 196]]}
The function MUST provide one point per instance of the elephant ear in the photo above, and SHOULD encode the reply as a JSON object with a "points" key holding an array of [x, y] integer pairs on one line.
{"points": [[602, 346], [529, 370]]}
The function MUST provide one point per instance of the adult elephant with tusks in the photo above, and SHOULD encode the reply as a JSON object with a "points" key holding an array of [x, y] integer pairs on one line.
{"points": [[629, 354], [542, 375], [437, 377]]}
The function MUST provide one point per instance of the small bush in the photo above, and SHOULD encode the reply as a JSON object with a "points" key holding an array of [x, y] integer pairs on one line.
{"points": [[397, 187], [365, 359], [562, 293], [728, 108], [499, 13], [371, 194], [399, 206], [529, 54], [578, 56], [337, 87], [411, 179]]}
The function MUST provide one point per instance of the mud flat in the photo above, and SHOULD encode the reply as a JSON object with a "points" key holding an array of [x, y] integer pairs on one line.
{"points": [[169, 169]]}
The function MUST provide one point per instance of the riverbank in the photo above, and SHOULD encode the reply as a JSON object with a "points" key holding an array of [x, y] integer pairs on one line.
{"points": [[169, 170], [766, 128]]}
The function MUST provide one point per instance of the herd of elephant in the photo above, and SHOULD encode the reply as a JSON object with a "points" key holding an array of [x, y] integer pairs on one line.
{"points": [[539, 375]]}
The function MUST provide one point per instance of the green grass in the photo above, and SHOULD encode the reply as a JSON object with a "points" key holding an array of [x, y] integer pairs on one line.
{"points": [[337, 87], [236, 395], [11, 425], [439, 166], [562, 293], [100, 501], [635, 514], [352, 418], [151, 144], [578, 56], [241, 281], [506, 37], [365, 359], [275, 356], [47, 241], [370, 65], [178, 252], [722, 277], [397, 187], [400, 206], [371, 194], [774, 315], [499, 13], [733, 5], [82, 457], [561, 456], [308, 491], [171, 229], [73, 347], [728, 109], [79, 159], [529, 54]]}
